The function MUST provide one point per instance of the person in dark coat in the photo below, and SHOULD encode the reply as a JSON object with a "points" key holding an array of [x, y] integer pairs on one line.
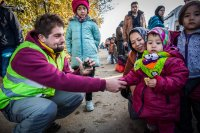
{"points": [[134, 18], [119, 39], [10, 36]]}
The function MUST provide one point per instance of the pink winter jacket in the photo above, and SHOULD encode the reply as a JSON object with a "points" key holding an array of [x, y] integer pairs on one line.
{"points": [[163, 101]]}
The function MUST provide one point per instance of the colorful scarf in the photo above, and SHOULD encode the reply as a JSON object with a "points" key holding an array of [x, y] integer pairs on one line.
{"points": [[151, 64]]}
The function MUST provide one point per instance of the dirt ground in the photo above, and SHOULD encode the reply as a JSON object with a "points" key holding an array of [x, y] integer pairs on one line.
{"points": [[109, 116]]}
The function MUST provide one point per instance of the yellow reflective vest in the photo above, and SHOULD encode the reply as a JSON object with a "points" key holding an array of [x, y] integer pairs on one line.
{"points": [[16, 87]]}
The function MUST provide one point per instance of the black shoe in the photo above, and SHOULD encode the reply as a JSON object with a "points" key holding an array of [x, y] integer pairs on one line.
{"points": [[146, 130], [53, 128]]}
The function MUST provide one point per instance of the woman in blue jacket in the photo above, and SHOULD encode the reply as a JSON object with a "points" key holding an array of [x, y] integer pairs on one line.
{"points": [[83, 38], [158, 19]]}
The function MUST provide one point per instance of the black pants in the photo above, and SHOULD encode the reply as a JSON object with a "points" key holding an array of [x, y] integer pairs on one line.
{"points": [[120, 48], [189, 108], [88, 96]]}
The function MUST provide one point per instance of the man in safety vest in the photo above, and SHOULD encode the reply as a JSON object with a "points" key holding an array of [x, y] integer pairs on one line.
{"points": [[39, 87]]}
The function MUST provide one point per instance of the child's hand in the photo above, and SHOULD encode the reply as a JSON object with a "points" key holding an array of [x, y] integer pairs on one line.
{"points": [[151, 82], [86, 68], [132, 88]]}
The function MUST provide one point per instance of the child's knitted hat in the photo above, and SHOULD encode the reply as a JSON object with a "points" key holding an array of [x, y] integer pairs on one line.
{"points": [[76, 3], [164, 35]]}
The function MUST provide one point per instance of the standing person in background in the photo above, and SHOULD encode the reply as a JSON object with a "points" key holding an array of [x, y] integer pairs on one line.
{"points": [[10, 36], [119, 39], [112, 50], [189, 46], [114, 37], [107, 43], [134, 18], [83, 38], [158, 19]]}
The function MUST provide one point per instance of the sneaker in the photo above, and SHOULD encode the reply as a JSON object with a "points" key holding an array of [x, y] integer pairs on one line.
{"points": [[53, 128], [89, 106]]}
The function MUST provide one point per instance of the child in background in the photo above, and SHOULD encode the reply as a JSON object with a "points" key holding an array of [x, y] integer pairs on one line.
{"points": [[83, 38], [112, 50], [159, 77], [189, 47]]}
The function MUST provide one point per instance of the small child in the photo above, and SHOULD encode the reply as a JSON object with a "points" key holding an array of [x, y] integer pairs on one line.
{"points": [[189, 46], [113, 50], [159, 77], [83, 38]]}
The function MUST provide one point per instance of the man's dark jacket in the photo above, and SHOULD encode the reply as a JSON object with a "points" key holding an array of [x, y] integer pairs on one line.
{"points": [[10, 31]]}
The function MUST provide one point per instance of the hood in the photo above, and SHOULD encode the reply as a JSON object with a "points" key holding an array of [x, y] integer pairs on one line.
{"points": [[143, 33], [75, 18], [32, 37], [195, 32], [139, 12], [174, 52]]}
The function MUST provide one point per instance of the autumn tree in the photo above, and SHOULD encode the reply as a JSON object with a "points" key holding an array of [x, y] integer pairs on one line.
{"points": [[28, 10]]}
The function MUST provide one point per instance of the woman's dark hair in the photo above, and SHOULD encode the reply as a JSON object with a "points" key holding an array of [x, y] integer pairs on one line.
{"points": [[157, 10], [184, 8], [45, 23]]}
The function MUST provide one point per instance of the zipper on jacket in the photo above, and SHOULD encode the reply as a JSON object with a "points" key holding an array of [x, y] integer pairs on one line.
{"points": [[186, 51], [167, 99], [81, 42]]}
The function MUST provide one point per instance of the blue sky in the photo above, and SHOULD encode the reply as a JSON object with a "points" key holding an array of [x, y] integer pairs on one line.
{"points": [[121, 8]]}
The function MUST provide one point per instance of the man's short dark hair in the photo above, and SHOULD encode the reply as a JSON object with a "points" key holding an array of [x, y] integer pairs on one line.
{"points": [[134, 3], [45, 23]]}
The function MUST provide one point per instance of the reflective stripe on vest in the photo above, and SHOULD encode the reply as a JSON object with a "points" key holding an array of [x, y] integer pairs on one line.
{"points": [[26, 81], [16, 87], [9, 93]]}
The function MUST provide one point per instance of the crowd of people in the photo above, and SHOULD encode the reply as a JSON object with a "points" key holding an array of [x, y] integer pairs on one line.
{"points": [[161, 77]]}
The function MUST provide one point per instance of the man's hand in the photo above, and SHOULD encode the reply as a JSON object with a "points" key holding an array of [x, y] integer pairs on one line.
{"points": [[85, 69], [115, 85]]}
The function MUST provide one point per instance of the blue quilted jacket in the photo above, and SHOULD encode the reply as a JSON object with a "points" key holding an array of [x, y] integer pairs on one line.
{"points": [[155, 22], [82, 40], [189, 47]]}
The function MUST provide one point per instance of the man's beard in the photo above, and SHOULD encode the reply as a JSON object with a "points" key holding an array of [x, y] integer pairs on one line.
{"points": [[58, 49]]}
